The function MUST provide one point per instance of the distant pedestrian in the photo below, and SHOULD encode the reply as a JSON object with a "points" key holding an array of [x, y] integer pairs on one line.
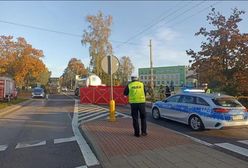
{"points": [[206, 89], [135, 91], [161, 92], [167, 91]]}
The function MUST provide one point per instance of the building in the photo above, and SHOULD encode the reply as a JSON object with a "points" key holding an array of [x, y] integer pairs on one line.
{"points": [[171, 75]]}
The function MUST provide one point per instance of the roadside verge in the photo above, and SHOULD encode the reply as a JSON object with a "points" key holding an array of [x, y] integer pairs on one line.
{"points": [[12, 108]]}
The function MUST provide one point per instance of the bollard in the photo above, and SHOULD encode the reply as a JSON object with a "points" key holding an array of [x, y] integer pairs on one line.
{"points": [[112, 110]]}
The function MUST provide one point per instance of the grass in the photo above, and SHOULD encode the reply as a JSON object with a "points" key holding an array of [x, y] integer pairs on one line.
{"points": [[12, 102]]}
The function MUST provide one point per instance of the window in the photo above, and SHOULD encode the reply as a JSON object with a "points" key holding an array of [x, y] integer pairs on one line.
{"points": [[173, 99], [201, 101], [227, 102], [188, 99]]}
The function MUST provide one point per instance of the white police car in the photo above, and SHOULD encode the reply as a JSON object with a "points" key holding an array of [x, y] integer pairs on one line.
{"points": [[201, 110]]}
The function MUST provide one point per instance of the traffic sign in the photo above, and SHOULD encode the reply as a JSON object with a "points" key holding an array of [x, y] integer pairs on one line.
{"points": [[106, 64]]}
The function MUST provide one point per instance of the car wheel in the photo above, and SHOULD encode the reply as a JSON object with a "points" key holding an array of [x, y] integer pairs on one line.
{"points": [[195, 123], [155, 113]]}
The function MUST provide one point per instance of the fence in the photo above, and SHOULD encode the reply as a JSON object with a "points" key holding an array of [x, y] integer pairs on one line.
{"points": [[101, 95]]}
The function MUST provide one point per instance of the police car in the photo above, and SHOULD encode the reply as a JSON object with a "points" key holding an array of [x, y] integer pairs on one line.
{"points": [[202, 111]]}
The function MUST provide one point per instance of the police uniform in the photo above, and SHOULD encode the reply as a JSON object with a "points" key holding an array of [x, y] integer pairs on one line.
{"points": [[136, 97]]}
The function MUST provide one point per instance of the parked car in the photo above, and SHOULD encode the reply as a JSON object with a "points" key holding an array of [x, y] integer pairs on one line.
{"points": [[38, 93], [202, 111]]}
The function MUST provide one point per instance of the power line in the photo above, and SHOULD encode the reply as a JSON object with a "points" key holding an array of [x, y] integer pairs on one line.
{"points": [[152, 25], [53, 31], [174, 19], [39, 28], [200, 11]]}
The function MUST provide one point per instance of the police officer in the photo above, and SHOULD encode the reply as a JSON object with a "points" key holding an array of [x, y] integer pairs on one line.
{"points": [[135, 91], [206, 89]]}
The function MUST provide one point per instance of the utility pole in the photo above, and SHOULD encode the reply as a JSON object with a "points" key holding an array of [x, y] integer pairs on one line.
{"points": [[151, 69]]}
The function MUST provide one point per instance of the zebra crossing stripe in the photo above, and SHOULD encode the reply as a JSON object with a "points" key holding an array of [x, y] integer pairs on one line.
{"points": [[91, 109], [244, 142], [233, 148], [98, 116], [125, 115], [88, 116], [3, 147], [84, 114]]}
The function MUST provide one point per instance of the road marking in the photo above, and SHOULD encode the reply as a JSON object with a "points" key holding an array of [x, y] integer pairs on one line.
{"points": [[57, 100], [192, 138], [91, 115], [3, 147], [82, 167], [80, 114], [30, 144], [94, 109], [233, 148], [244, 142], [89, 157], [62, 140], [99, 116]]}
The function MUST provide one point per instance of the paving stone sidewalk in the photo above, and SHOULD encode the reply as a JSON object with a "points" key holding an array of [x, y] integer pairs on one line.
{"points": [[116, 147]]}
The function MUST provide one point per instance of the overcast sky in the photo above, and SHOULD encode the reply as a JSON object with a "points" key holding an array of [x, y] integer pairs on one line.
{"points": [[170, 25]]}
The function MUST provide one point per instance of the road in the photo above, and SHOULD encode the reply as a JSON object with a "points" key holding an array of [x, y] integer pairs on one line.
{"points": [[40, 134], [233, 141]]}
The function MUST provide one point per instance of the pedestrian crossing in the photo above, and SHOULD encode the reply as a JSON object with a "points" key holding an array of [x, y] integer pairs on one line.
{"points": [[240, 147], [91, 112]]}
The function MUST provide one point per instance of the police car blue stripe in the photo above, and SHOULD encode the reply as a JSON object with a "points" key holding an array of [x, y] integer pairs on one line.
{"points": [[202, 111]]}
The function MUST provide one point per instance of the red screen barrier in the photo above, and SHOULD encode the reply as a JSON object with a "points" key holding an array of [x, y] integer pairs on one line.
{"points": [[101, 95]]}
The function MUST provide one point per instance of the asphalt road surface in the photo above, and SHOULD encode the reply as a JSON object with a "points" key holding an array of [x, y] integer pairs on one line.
{"points": [[40, 135]]}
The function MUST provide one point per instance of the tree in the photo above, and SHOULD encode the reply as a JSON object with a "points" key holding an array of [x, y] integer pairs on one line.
{"points": [[21, 61], [74, 67], [223, 59], [125, 70], [97, 36]]}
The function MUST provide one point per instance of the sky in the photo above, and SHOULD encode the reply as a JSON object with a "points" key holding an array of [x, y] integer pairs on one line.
{"points": [[171, 25]]}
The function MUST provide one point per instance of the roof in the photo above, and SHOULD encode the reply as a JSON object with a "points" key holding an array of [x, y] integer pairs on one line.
{"points": [[208, 95]]}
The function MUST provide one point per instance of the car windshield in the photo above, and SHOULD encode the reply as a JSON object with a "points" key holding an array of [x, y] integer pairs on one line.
{"points": [[227, 102], [38, 90]]}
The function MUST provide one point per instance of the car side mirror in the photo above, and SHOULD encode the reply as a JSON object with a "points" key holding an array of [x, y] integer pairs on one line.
{"points": [[165, 101]]}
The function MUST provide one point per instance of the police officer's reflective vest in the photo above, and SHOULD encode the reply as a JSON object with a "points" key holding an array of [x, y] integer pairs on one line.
{"points": [[208, 91], [136, 92]]}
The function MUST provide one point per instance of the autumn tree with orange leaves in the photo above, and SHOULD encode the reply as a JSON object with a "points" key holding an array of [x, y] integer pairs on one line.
{"points": [[223, 59], [22, 62], [74, 67]]}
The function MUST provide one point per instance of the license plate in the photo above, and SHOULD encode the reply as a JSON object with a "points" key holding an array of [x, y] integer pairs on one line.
{"points": [[238, 117]]}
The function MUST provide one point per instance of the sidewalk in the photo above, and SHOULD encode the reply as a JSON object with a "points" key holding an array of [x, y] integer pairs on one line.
{"points": [[116, 147]]}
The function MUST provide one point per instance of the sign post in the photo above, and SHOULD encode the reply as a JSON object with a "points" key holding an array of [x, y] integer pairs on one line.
{"points": [[110, 65]]}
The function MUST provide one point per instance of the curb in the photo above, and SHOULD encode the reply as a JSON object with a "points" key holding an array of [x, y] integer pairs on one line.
{"points": [[89, 140], [12, 108]]}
